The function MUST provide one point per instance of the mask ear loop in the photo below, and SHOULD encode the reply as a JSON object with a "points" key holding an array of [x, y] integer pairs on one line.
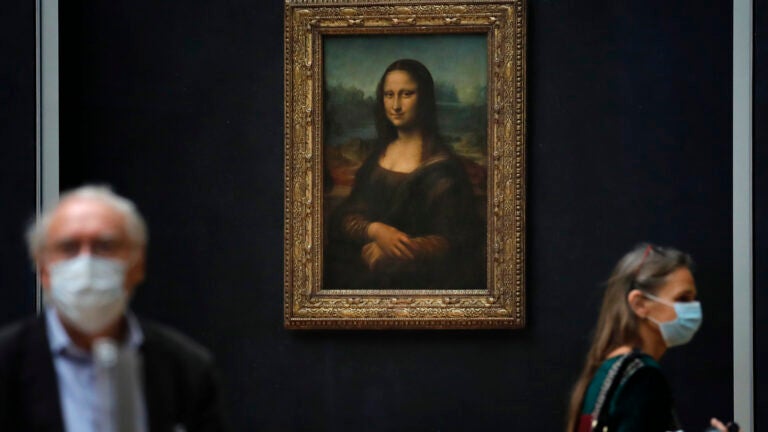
{"points": [[658, 299]]}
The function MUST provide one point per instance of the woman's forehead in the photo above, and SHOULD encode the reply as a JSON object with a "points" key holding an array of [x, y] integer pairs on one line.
{"points": [[399, 78], [680, 280]]}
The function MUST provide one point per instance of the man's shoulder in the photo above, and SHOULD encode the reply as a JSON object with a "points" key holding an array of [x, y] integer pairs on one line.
{"points": [[10, 333], [174, 343], [14, 334]]}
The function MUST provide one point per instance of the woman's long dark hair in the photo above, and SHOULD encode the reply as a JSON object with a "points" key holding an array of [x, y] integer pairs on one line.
{"points": [[426, 115]]}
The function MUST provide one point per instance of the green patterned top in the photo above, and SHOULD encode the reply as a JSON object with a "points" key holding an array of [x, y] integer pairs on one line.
{"points": [[642, 402]]}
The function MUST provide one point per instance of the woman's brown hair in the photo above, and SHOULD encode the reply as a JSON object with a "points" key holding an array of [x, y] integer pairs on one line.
{"points": [[645, 268]]}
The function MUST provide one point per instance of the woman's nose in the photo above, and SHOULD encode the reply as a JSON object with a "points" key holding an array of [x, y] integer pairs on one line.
{"points": [[396, 105]]}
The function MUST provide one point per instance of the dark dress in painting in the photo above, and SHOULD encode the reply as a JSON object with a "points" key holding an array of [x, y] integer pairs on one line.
{"points": [[434, 205]]}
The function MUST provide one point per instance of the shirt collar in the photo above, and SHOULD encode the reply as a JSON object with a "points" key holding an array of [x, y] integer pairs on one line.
{"points": [[60, 343]]}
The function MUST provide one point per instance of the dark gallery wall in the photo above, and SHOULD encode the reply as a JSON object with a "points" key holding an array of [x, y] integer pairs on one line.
{"points": [[760, 214], [17, 156], [179, 106]]}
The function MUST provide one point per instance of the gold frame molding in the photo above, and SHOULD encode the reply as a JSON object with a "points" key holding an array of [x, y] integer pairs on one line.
{"points": [[501, 304]]}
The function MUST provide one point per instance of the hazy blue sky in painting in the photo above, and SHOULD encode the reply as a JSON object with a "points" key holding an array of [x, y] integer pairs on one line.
{"points": [[358, 61]]}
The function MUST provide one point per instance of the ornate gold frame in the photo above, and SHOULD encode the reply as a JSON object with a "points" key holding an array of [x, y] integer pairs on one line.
{"points": [[499, 305]]}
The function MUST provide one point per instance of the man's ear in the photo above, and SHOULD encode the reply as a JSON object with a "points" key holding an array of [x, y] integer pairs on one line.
{"points": [[43, 272], [638, 303], [136, 272]]}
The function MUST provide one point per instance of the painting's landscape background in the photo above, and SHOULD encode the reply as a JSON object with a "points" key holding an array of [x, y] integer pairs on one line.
{"points": [[352, 68]]}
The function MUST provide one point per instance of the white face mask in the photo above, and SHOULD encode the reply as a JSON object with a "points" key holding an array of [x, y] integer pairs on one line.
{"points": [[88, 291], [681, 329]]}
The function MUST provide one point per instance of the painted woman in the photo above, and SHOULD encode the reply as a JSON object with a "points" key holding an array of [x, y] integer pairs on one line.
{"points": [[411, 220]]}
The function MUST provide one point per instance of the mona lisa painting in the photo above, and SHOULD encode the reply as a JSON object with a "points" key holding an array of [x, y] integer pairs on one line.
{"points": [[404, 165]]}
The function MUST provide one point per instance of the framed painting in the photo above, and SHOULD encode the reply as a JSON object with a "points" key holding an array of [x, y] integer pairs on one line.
{"points": [[404, 164]]}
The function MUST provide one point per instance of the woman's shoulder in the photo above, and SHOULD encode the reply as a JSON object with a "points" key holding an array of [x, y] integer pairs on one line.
{"points": [[643, 377], [639, 362], [643, 382], [646, 369], [644, 400], [641, 367], [443, 163], [641, 359], [370, 162], [636, 357]]}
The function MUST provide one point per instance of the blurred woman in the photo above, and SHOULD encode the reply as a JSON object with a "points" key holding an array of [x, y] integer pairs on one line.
{"points": [[649, 305]]}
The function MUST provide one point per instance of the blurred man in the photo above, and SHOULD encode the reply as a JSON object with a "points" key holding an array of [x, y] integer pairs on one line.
{"points": [[87, 363]]}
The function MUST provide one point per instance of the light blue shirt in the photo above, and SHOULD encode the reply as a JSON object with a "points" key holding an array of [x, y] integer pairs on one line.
{"points": [[84, 406]]}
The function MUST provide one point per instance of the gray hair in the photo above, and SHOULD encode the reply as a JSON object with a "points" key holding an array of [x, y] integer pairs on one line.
{"points": [[135, 226], [646, 267]]}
